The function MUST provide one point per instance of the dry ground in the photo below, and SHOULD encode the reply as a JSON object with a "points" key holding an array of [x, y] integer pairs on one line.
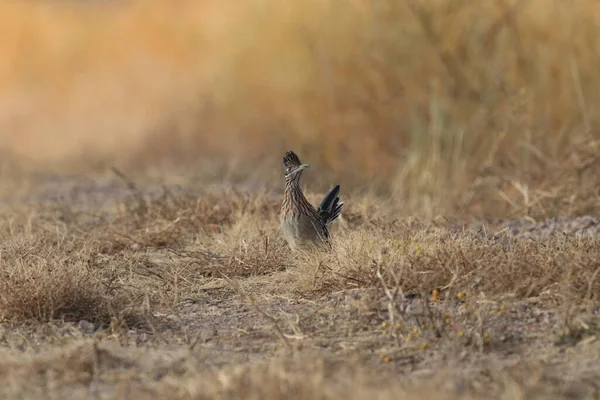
{"points": [[191, 293]]}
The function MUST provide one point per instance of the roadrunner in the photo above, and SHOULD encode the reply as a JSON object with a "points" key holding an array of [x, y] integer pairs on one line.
{"points": [[301, 223]]}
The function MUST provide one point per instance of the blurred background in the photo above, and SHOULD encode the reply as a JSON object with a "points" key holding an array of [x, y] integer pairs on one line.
{"points": [[481, 108]]}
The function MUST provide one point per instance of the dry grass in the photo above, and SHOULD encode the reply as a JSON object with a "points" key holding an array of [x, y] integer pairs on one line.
{"points": [[174, 282], [181, 296]]}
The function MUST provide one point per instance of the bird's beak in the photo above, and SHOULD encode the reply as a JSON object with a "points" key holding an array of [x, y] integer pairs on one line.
{"points": [[300, 168]]}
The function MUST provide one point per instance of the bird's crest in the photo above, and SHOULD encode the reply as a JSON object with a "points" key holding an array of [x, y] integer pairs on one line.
{"points": [[291, 159]]}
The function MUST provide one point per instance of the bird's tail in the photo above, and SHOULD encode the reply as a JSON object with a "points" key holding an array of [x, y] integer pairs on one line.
{"points": [[330, 208]]}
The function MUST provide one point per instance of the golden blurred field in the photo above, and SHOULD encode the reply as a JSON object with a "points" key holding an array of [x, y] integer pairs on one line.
{"points": [[419, 97]]}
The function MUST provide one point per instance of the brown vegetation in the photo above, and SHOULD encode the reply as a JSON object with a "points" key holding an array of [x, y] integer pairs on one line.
{"points": [[141, 295], [172, 280]]}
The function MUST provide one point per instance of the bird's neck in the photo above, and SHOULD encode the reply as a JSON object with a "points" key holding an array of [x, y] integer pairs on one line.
{"points": [[292, 188], [292, 184]]}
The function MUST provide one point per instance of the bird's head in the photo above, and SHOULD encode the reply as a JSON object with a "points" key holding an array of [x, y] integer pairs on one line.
{"points": [[292, 166]]}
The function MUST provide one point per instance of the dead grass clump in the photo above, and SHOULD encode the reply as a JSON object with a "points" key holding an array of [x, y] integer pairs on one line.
{"points": [[46, 278], [43, 297], [43, 281], [451, 261]]}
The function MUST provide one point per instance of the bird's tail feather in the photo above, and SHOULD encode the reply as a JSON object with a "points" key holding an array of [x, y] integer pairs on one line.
{"points": [[330, 208]]}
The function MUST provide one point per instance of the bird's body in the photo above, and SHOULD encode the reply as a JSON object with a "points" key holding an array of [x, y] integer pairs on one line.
{"points": [[301, 223]]}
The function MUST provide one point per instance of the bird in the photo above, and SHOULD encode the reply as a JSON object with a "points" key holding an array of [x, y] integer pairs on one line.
{"points": [[302, 225]]}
